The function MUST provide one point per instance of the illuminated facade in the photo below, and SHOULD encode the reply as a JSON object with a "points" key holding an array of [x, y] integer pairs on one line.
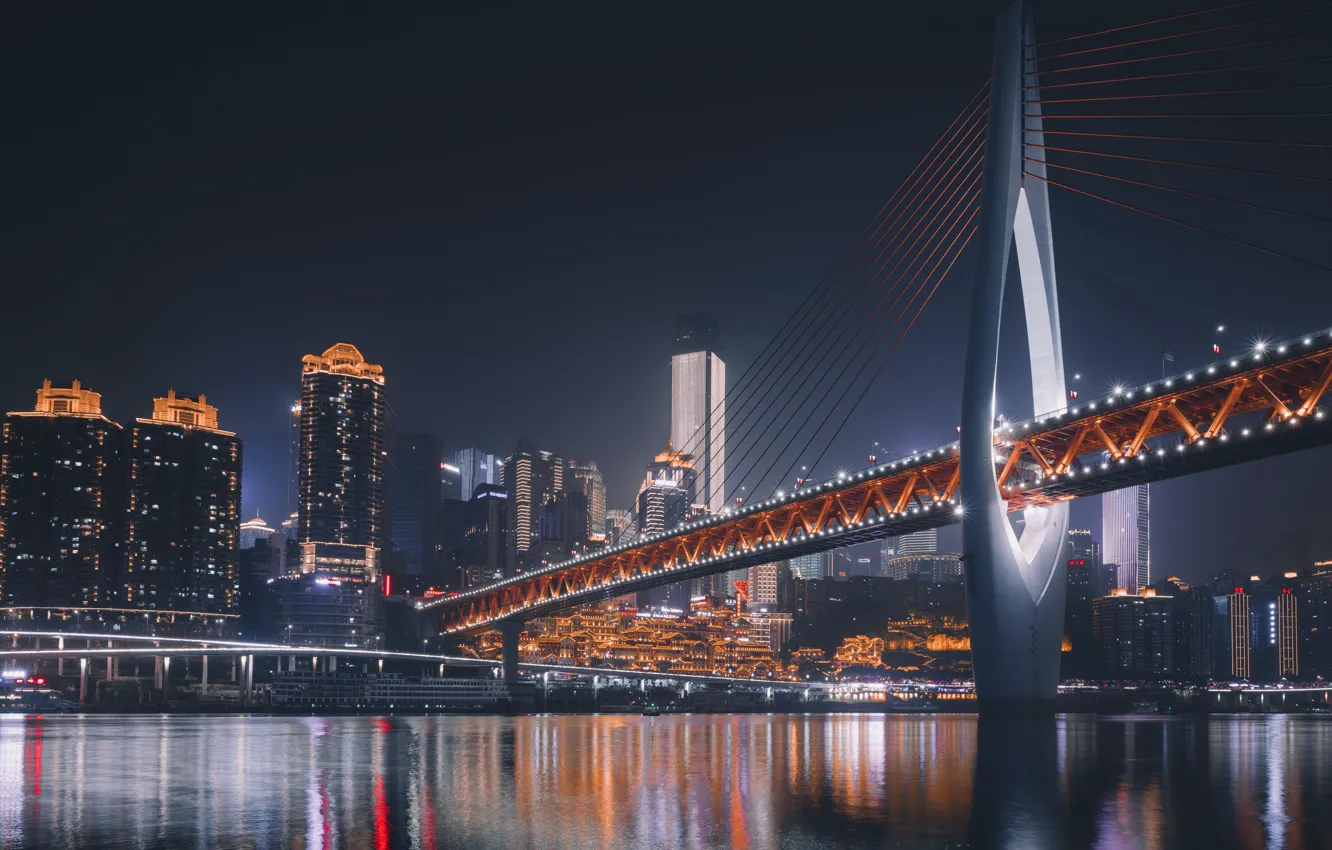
{"points": [[587, 479], [1126, 534], [345, 439], [668, 491], [61, 501], [184, 510], [1232, 634], [920, 543], [763, 581], [476, 467], [811, 567], [532, 477], [1135, 634], [698, 404], [254, 530], [294, 458]]}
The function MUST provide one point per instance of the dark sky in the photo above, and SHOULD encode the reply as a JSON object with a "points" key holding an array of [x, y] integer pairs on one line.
{"points": [[506, 209]]}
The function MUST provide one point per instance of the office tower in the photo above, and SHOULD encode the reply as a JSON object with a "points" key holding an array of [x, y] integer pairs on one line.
{"points": [[254, 530], [450, 482], [619, 527], [531, 476], [489, 528], [258, 567], [938, 568], [184, 510], [1232, 631], [1194, 618], [919, 543], [563, 527], [1082, 589], [1135, 635], [764, 580], [291, 527], [294, 458], [345, 439], [61, 501], [586, 478], [417, 494], [1126, 535], [475, 467], [698, 404], [668, 491], [811, 567]]}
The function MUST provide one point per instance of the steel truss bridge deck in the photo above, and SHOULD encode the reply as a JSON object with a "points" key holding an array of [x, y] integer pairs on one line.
{"points": [[1261, 404]]}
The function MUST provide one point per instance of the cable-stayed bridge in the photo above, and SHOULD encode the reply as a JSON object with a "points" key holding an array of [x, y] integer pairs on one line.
{"points": [[986, 181]]}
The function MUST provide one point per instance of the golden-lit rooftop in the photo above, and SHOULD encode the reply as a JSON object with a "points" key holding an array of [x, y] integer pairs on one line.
{"points": [[343, 359]]}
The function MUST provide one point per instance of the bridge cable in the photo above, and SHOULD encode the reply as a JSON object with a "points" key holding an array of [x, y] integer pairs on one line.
{"points": [[1144, 24], [913, 228], [1043, 72], [814, 386], [925, 210], [1161, 95], [1184, 224], [1158, 39], [1188, 192], [817, 335], [1209, 167], [801, 314], [1210, 115], [1172, 74], [884, 361], [1194, 139]]}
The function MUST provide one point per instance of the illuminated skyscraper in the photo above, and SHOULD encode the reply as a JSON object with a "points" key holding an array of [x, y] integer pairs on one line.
{"points": [[254, 530], [1126, 535], [531, 477], [586, 478], [476, 467], [698, 405], [669, 489], [345, 438], [813, 567], [61, 501], [294, 458], [184, 510], [918, 543]]}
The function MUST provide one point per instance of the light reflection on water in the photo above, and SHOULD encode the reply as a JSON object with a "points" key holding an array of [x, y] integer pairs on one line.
{"points": [[745, 781]]}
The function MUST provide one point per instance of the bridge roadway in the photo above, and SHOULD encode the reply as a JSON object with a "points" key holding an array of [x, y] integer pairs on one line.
{"points": [[144, 646], [1262, 403]]}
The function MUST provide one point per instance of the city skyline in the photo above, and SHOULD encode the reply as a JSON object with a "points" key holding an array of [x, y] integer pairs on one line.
{"points": [[748, 253]]}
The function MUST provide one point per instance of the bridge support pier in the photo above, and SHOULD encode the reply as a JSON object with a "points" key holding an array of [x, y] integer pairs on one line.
{"points": [[203, 675], [60, 665], [157, 672], [83, 680], [249, 676], [1015, 585], [509, 632]]}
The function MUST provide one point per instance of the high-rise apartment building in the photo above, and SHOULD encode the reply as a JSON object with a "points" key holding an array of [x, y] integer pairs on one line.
{"points": [[487, 534], [476, 467], [1083, 587], [417, 494], [294, 458], [698, 405], [918, 543], [1135, 634], [531, 477], [1126, 535], [1232, 632], [346, 435], [764, 580], [61, 501], [1276, 651], [184, 510], [586, 479]]}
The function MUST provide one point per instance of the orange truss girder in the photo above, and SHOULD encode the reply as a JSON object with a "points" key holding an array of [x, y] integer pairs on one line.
{"points": [[1056, 446]]}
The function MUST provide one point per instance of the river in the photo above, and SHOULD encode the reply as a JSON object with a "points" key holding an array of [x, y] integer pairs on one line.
{"points": [[701, 781]]}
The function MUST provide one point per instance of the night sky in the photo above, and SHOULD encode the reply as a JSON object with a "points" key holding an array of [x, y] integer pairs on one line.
{"points": [[506, 208]]}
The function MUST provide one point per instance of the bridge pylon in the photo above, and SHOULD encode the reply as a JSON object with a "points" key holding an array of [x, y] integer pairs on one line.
{"points": [[1015, 583]]}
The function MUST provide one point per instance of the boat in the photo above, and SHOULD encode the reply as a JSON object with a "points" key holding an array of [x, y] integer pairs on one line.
{"points": [[651, 710], [1145, 706]]}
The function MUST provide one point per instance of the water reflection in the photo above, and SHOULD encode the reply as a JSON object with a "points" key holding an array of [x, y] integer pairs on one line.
{"points": [[759, 781]]}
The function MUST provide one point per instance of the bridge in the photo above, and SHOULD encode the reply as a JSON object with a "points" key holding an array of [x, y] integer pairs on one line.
{"points": [[985, 180]]}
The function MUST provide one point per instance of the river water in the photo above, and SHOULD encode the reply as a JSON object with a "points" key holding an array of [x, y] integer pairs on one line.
{"points": [[738, 781]]}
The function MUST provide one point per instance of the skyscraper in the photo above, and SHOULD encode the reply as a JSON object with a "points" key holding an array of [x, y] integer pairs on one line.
{"points": [[345, 438], [294, 458], [184, 510], [1126, 535], [812, 567], [61, 500], [698, 404], [668, 491], [254, 530], [763, 581], [417, 492], [586, 478], [531, 477], [919, 543], [476, 467]]}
